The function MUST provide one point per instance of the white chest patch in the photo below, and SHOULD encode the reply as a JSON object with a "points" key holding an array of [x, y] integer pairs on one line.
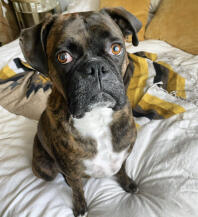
{"points": [[95, 124]]}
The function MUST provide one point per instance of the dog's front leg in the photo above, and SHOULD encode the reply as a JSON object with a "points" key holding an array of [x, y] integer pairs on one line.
{"points": [[127, 183], [70, 167], [79, 203]]}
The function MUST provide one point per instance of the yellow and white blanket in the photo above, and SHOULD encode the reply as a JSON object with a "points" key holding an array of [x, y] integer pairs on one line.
{"points": [[155, 90]]}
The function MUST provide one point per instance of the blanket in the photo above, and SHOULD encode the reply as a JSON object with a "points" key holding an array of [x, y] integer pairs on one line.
{"points": [[155, 90]]}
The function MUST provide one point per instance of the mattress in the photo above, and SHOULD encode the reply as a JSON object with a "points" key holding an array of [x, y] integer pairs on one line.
{"points": [[163, 161]]}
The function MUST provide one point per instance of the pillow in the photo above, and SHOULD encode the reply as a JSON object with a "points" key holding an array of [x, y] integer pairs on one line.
{"points": [[154, 5], [22, 90], [176, 22], [138, 8]]}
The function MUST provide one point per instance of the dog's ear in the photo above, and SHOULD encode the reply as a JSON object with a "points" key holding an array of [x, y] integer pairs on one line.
{"points": [[127, 22], [33, 42]]}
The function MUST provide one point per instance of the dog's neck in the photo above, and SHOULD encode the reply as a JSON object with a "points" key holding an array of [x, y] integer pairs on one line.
{"points": [[57, 108], [95, 122]]}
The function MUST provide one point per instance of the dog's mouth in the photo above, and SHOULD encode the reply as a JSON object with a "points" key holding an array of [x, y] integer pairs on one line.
{"points": [[102, 99]]}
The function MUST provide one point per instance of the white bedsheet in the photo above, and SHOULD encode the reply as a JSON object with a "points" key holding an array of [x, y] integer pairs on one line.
{"points": [[164, 162]]}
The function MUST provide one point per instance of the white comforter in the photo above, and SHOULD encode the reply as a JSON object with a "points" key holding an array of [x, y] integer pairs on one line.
{"points": [[164, 162]]}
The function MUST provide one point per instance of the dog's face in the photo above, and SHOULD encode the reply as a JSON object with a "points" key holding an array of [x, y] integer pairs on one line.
{"points": [[84, 55]]}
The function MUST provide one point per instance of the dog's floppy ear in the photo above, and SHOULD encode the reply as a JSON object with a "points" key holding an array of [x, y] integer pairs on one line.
{"points": [[127, 22], [33, 44]]}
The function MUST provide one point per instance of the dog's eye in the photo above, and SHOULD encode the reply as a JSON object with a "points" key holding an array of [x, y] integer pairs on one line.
{"points": [[64, 57], [116, 49]]}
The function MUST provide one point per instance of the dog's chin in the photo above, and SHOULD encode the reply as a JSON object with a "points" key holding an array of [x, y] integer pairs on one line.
{"points": [[100, 100]]}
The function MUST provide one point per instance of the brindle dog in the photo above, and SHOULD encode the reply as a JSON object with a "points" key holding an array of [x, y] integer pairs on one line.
{"points": [[87, 128]]}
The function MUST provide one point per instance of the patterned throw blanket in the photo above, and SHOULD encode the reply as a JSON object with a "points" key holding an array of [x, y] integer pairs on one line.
{"points": [[155, 90]]}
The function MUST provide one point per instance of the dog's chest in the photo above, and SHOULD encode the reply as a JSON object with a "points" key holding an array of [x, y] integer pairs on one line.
{"points": [[95, 124]]}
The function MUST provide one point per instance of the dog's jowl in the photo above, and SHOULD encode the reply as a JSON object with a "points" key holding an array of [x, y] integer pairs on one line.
{"points": [[87, 128]]}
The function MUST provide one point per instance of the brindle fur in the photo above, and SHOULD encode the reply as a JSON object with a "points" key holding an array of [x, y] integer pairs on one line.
{"points": [[58, 146]]}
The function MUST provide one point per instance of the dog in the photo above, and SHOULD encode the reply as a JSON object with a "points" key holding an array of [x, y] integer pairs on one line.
{"points": [[87, 129]]}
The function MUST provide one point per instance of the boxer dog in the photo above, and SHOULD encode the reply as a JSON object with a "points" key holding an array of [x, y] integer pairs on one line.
{"points": [[87, 128]]}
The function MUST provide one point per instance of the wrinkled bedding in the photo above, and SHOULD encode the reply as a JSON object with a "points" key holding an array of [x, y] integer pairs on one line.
{"points": [[163, 161]]}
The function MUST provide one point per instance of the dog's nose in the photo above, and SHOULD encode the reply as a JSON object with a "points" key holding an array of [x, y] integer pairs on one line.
{"points": [[96, 69]]}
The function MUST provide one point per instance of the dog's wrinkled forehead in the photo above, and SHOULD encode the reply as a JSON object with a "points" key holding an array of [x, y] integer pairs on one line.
{"points": [[83, 28], [92, 29]]}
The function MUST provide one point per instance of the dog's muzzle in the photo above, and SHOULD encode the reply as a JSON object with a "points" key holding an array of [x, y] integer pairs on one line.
{"points": [[95, 83]]}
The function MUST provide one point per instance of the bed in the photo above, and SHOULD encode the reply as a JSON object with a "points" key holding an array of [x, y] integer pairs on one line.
{"points": [[164, 160]]}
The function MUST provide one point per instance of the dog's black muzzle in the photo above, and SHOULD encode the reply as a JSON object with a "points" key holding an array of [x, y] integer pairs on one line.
{"points": [[95, 82]]}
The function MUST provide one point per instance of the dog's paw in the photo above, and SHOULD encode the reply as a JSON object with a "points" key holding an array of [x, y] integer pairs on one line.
{"points": [[131, 188], [82, 213], [85, 215], [81, 210]]}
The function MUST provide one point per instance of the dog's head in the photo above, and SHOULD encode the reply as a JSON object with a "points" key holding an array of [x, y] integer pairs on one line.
{"points": [[84, 55]]}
